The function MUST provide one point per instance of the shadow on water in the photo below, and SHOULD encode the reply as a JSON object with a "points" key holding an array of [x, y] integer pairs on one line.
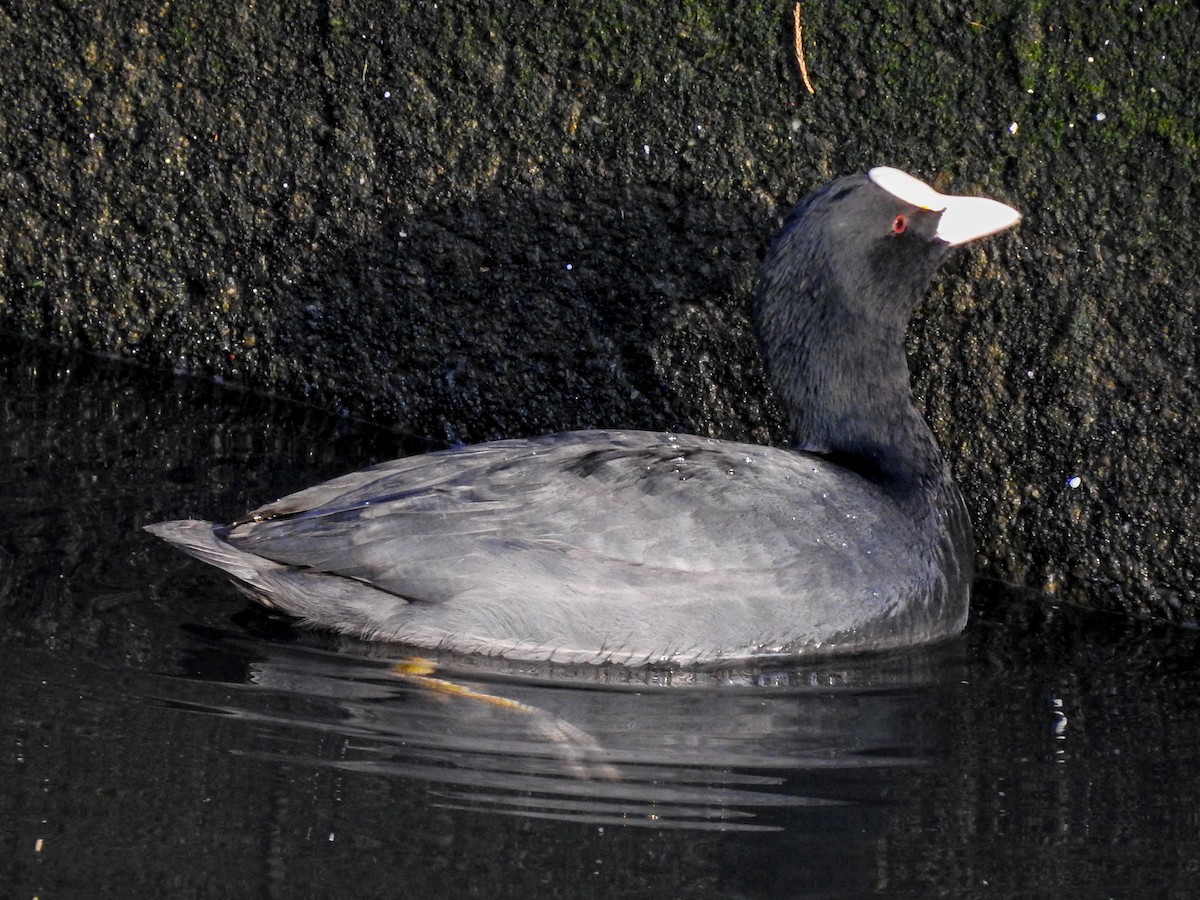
{"points": [[159, 736]]}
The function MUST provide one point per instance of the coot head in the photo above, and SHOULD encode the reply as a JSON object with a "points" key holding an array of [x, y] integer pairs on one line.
{"points": [[837, 289]]}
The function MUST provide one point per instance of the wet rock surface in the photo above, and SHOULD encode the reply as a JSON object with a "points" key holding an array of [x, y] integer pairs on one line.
{"points": [[474, 222]]}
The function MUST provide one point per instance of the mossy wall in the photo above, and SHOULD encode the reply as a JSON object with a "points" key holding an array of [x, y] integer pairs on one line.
{"points": [[480, 220]]}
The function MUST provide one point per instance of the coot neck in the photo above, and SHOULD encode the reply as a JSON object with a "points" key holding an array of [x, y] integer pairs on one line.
{"points": [[857, 407], [836, 355]]}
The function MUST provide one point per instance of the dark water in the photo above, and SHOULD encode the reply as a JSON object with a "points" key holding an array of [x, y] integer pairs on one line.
{"points": [[160, 738]]}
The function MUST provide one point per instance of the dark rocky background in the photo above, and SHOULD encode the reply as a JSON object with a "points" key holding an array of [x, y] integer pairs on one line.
{"points": [[475, 220]]}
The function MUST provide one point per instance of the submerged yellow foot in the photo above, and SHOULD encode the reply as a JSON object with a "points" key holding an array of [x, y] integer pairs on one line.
{"points": [[583, 755]]}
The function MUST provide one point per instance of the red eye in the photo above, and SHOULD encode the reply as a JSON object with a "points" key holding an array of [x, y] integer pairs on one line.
{"points": [[899, 224]]}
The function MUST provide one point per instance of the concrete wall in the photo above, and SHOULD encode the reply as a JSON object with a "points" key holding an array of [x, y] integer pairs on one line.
{"points": [[481, 220]]}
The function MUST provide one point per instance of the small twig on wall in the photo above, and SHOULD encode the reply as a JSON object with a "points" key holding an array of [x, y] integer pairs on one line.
{"points": [[799, 32]]}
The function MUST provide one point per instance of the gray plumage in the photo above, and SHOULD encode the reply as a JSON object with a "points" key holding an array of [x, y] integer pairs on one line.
{"points": [[634, 547]]}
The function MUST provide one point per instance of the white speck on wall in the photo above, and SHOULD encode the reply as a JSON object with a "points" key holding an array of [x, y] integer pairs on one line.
{"points": [[387, 95], [1100, 117], [1012, 128], [1074, 481], [646, 149]]}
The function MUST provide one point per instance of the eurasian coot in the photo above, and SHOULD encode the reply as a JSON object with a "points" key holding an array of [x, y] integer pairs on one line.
{"points": [[643, 548]]}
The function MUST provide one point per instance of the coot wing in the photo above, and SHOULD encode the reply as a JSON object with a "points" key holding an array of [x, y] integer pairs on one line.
{"points": [[614, 506]]}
